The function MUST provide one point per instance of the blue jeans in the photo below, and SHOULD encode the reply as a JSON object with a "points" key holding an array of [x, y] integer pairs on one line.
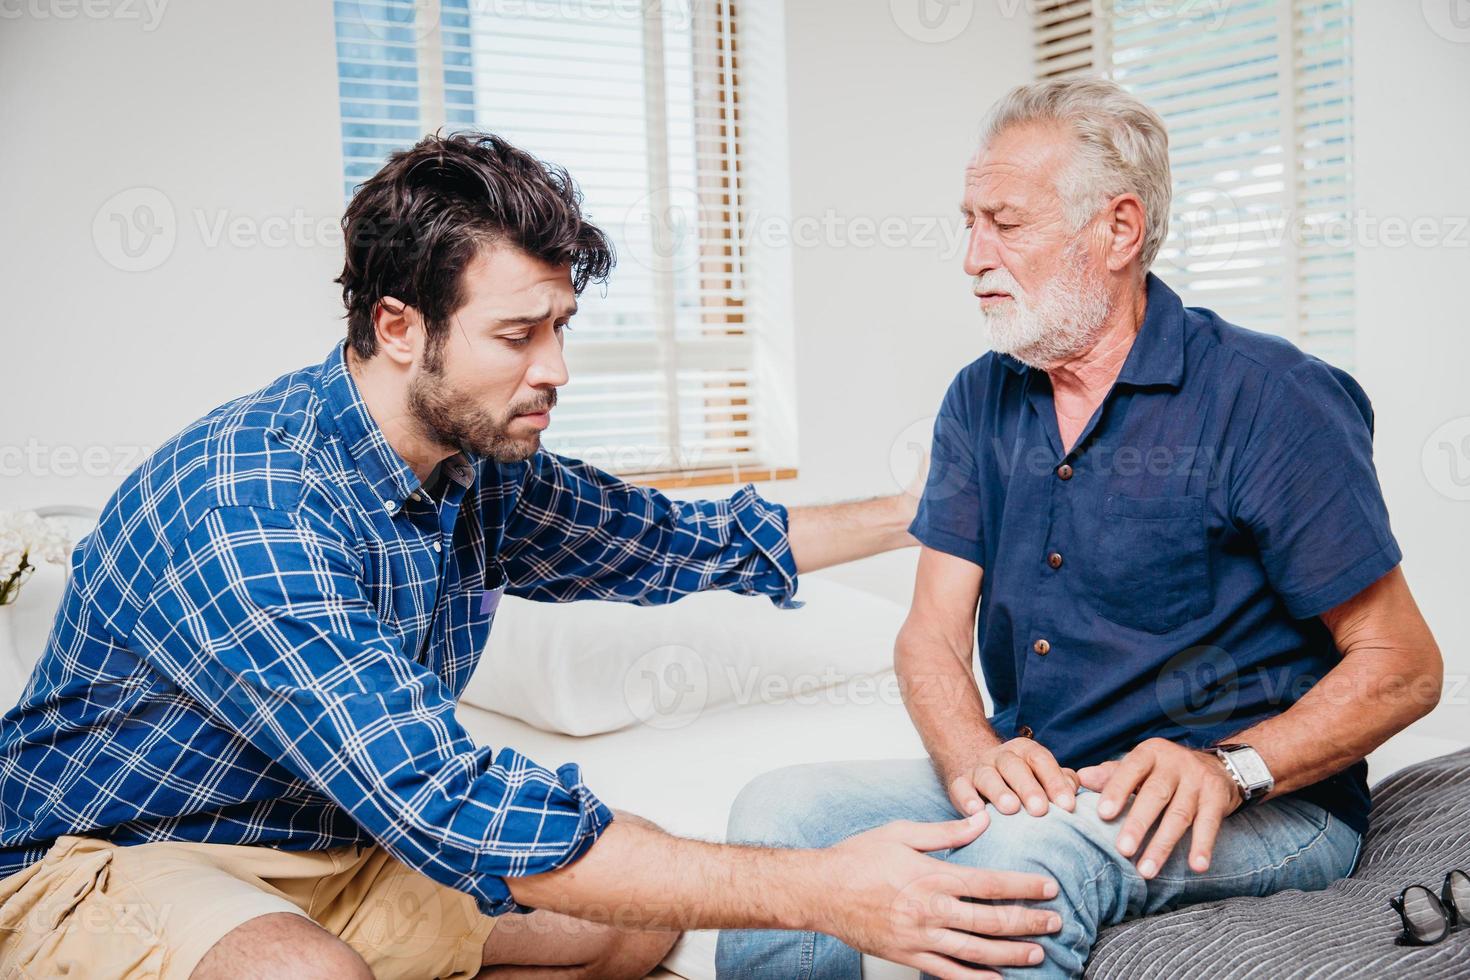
{"points": [[1260, 850]]}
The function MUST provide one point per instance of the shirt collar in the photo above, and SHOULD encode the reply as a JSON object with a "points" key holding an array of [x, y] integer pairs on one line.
{"points": [[392, 480], [1157, 355]]}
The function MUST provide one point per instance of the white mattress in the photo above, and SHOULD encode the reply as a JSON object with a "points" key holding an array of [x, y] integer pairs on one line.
{"points": [[685, 779]]}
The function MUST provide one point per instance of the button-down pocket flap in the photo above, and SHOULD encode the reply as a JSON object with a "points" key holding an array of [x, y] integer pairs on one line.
{"points": [[1152, 508]]}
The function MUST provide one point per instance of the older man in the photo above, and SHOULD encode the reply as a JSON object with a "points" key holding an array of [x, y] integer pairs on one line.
{"points": [[1194, 627]]}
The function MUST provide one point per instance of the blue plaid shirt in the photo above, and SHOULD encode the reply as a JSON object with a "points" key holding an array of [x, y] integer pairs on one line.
{"points": [[263, 640]]}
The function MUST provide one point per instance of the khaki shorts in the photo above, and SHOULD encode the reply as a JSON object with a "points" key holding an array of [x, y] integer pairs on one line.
{"points": [[98, 910]]}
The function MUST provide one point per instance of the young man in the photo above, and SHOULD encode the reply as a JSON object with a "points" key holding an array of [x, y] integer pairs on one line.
{"points": [[238, 755], [1183, 544]]}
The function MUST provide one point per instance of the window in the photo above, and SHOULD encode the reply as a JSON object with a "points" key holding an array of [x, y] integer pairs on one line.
{"points": [[1257, 98], [642, 103]]}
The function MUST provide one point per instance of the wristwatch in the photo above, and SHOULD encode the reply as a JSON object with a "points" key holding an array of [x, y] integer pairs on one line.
{"points": [[1248, 769]]}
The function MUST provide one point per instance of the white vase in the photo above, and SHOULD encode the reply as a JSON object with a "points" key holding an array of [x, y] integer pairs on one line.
{"points": [[12, 678]]}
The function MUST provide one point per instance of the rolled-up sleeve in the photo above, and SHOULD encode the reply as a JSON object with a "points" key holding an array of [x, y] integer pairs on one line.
{"points": [[577, 532], [261, 617]]}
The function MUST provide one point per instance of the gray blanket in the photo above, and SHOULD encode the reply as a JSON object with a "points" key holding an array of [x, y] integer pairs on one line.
{"points": [[1420, 829]]}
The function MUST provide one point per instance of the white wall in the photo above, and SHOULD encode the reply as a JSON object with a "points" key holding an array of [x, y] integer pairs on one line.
{"points": [[208, 112], [1413, 333]]}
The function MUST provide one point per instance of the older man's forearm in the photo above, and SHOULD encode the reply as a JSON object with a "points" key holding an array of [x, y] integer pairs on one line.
{"points": [[1361, 704], [943, 701], [829, 535], [1391, 675]]}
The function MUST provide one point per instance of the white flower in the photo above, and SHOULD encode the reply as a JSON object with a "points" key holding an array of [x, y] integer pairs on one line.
{"points": [[26, 538]]}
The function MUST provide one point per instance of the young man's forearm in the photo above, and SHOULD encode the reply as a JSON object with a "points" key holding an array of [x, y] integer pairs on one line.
{"points": [[666, 882], [879, 891], [836, 533]]}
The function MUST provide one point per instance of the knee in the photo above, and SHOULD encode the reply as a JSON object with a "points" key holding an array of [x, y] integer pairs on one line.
{"points": [[282, 944], [630, 955], [1067, 847], [336, 962], [784, 807]]}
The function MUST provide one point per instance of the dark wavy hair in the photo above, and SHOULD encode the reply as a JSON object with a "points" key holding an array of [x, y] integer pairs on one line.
{"points": [[411, 229]]}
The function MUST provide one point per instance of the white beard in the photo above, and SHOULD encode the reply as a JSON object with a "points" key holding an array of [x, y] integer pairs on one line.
{"points": [[1066, 319]]}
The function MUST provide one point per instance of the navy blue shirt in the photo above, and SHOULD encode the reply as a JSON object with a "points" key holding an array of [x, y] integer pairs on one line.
{"points": [[1165, 576]]}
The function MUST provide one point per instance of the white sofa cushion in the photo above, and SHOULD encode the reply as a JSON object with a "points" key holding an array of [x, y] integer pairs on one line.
{"points": [[584, 668]]}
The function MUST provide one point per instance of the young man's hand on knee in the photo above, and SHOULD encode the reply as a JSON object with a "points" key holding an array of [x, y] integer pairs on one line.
{"points": [[877, 891]]}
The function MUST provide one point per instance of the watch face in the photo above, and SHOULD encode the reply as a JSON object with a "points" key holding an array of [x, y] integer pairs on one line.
{"points": [[1251, 767]]}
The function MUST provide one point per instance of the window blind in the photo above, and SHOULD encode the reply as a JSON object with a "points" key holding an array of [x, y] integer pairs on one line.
{"points": [[1257, 98], [642, 104]]}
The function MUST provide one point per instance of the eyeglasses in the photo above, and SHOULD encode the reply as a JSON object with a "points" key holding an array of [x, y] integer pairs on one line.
{"points": [[1429, 918]]}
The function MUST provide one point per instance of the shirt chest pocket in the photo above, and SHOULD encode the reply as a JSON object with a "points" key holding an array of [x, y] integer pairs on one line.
{"points": [[465, 626], [1152, 562]]}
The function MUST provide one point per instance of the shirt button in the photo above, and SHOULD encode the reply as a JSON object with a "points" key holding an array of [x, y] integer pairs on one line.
{"points": [[1025, 732], [389, 506], [415, 495], [438, 546], [1054, 559], [1064, 471], [1042, 647]]}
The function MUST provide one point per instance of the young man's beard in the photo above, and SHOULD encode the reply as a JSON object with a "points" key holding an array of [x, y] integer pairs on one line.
{"points": [[1065, 320], [454, 421]]}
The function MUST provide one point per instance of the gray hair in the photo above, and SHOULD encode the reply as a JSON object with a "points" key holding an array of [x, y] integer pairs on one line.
{"points": [[1122, 147]]}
